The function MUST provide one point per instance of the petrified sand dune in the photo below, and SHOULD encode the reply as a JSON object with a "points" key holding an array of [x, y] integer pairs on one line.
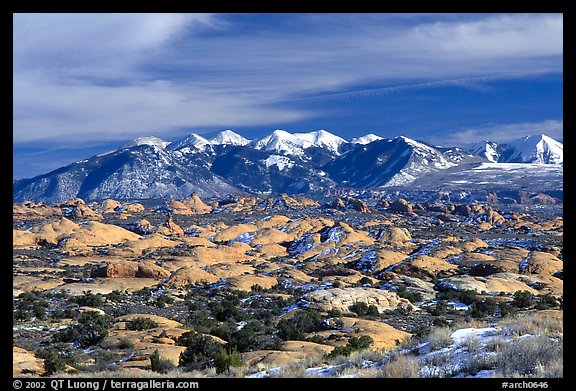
{"points": [[196, 205], [190, 275], [342, 298], [234, 231], [127, 269], [246, 282], [25, 362], [493, 285], [385, 336], [290, 352]]}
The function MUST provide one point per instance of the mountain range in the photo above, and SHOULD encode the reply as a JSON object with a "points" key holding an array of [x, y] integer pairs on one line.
{"points": [[281, 162]]}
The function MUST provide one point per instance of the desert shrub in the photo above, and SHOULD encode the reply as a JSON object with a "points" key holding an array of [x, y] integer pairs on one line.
{"points": [[354, 344], [363, 309], [483, 308], [225, 360], [402, 367], [227, 309], [89, 300], [91, 329], [547, 301], [200, 321], [411, 296], [115, 296], [201, 351], [141, 324], [163, 299], [523, 299], [365, 281], [125, 344], [302, 322], [54, 360], [160, 364], [528, 355], [440, 337], [31, 305]]}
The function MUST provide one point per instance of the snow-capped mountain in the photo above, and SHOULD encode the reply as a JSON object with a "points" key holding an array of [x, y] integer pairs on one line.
{"points": [[366, 139], [150, 168], [393, 162], [323, 139], [530, 149], [486, 149], [296, 144], [228, 137], [150, 140], [535, 149], [191, 144]]}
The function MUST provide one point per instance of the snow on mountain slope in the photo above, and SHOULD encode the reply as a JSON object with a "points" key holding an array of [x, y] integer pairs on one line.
{"points": [[530, 149], [322, 139], [282, 142], [150, 140], [228, 137], [366, 139], [296, 144], [536, 149], [191, 143], [486, 149]]}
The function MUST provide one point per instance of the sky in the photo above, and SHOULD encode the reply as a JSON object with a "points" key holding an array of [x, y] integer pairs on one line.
{"points": [[85, 84]]}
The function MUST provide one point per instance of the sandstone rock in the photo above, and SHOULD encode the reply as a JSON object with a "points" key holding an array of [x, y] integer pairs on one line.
{"points": [[227, 270], [269, 236], [342, 298], [275, 221], [138, 247], [425, 265], [291, 351], [190, 275], [109, 206], [34, 210], [493, 284], [179, 208], [246, 282], [134, 208], [385, 336], [25, 362], [414, 285], [143, 227], [170, 228], [196, 205], [271, 250], [402, 206], [234, 231], [541, 263], [394, 236], [23, 238], [97, 234]]}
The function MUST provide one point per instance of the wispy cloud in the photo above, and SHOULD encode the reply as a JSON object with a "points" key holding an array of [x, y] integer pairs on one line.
{"points": [[501, 132], [113, 76]]}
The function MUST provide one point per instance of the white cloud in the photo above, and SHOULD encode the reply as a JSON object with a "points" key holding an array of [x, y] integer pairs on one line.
{"points": [[114, 76], [502, 132]]}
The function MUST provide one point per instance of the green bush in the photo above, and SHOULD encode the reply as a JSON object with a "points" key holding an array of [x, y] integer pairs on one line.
{"points": [[89, 300], [164, 299], [91, 329], [294, 328], [523, 299], [224, 361], [159, 364], [141, 324], [354, 344], [54, 361], [201, 351], [411, 296]]}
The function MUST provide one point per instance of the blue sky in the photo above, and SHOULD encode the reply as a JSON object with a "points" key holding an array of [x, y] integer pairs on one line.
{"points": [[86, 83]]}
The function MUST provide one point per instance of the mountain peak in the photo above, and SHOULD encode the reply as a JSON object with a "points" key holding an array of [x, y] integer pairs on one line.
{"points": [[193, 140], [537, 148], [366, 139], [149, 140], [228, 137]]}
